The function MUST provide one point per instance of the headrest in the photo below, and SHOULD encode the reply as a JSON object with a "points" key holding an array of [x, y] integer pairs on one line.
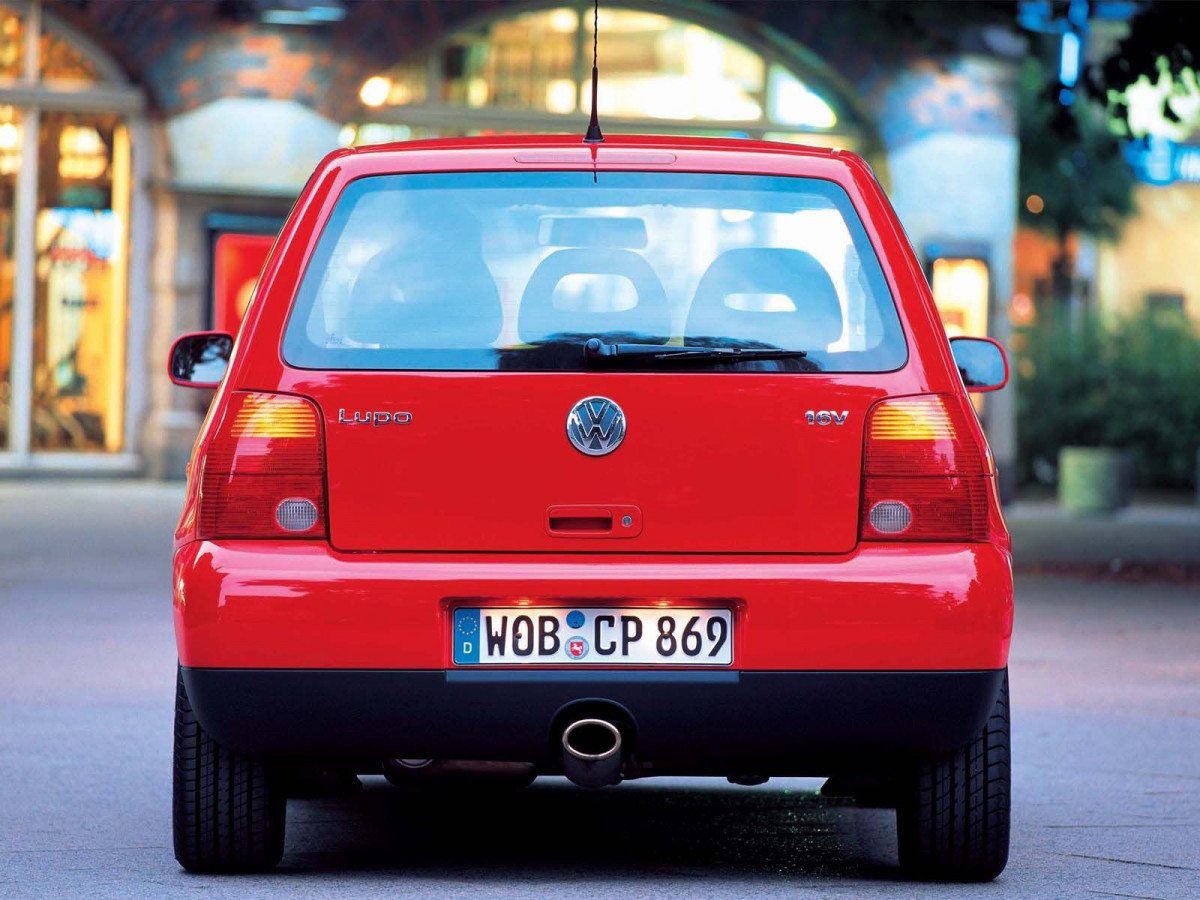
{"points": [[539, 318], [738, 280], [407, 297]]}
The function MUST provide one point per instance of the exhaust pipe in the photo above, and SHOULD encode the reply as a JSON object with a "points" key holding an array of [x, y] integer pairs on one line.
{"points": [[592, 752]]}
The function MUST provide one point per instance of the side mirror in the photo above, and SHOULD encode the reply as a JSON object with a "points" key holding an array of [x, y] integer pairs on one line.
{"points": [[981, 362], [200, 359]]}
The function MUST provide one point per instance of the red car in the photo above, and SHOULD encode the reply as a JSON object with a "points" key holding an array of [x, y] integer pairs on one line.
{"points": [[641, 458]]}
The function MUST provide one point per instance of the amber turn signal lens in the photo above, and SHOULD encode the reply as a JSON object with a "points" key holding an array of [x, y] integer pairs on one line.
{"points": [[273, 416], [912, 419]]}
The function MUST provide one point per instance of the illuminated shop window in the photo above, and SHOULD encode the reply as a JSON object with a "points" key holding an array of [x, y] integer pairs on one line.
{"points": [[793, 103], [79, 313], [62, 61], [960, 289], [520, 63], [63, 248], [12, 43], [661, 68], [531, 72], [10, 161]]}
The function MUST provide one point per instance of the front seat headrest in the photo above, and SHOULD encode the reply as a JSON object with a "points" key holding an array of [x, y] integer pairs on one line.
{"points": [[814, 323], [406, 297], [539, 319]]}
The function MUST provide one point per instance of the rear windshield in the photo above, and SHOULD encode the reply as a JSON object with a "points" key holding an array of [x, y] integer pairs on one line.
{"points": [[516, 271]]}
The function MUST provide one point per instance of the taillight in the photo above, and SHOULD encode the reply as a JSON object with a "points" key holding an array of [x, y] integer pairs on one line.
{"points": [[264, 472], [924, 473]]}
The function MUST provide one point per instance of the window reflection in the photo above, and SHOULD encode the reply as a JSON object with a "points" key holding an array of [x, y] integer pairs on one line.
{"points": [[517, 270]]}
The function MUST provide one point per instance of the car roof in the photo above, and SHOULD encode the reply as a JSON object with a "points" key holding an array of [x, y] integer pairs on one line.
{"points": [[570, 152], [561, 141]]}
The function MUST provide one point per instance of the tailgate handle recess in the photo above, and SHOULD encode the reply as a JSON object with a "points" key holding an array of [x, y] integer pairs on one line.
{"points": [[594, 521], [581, 523]]}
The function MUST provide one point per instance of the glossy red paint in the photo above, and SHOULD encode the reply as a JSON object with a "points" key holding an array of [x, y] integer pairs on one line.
{"points": [[290, 604], [809, 595], [794, 492]]}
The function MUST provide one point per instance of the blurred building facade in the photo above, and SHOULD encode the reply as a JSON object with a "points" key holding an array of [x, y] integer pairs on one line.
{"points": [[1153, 264], [149, 151]]}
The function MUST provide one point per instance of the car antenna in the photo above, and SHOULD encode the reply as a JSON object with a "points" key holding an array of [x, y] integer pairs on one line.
{"points": [[594, 135]]}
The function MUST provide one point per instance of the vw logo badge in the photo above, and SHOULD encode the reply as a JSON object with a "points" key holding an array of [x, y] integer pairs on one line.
{"points": [[596, 426]]}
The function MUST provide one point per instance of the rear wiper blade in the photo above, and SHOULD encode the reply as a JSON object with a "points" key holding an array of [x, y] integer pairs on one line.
{"points": [[595, 350]]}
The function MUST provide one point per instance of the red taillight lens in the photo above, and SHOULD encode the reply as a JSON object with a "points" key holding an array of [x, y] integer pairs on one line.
{"points": [[264, 472], [924, 473]]}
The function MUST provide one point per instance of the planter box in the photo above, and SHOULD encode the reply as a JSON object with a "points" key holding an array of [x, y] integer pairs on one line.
{"points": [[1093, 479]]}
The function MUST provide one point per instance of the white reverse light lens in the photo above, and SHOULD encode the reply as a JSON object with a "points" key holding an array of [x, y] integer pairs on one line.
{"points": [[296, 515], [890, 517]]}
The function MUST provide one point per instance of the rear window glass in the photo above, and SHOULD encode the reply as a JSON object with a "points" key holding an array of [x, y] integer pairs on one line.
{"points": [[516, 271]]}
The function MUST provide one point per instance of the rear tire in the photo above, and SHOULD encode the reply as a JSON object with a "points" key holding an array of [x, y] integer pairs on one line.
{"points": [[953, 813], [229, 808]]}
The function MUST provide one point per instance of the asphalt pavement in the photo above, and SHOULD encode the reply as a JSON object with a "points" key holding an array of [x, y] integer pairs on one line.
{"points": [[1106, 707]]}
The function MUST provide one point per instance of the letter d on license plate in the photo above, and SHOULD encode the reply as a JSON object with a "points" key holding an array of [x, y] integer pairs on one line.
{"points": [[511, 636]]}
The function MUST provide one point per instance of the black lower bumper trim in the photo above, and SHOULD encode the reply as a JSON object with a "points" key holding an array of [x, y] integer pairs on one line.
{"points": [[699, 722]]}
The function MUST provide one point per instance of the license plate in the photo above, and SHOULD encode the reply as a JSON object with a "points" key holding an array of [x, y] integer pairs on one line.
{"points": [[597, 637]]}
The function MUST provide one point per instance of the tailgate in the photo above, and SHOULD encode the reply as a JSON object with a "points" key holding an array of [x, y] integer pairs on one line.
{"points": [[710, 462]]}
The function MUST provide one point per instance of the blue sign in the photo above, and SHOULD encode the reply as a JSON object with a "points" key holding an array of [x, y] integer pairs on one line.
{"points": [[466, 636], [1157, 160]]}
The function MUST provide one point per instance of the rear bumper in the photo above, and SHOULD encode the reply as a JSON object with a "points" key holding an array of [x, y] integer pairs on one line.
{"points": [[693, 722], [294, 649], [302, 605]]}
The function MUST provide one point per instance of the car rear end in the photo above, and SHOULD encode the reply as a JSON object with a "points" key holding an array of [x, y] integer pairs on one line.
{"points": [[752, 530]]}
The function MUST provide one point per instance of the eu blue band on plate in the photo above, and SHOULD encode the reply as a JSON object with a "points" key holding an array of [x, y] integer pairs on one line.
{"points": [[466, 636]]}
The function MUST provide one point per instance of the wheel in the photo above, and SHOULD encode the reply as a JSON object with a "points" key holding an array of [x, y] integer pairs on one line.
{"points": [[229, 808], [952, 816]]}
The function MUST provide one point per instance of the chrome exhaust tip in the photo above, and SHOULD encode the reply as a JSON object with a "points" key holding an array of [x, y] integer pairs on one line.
{"points": [[592, 752]]}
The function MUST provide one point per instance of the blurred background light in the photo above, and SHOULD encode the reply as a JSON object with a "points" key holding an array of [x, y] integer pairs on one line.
{"points": [[1068, 63], [375, 90], [299, 12], [1148, 103], [792, 103]]}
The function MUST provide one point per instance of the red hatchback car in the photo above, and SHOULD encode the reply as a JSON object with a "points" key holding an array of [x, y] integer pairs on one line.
{"points": [[646, 458]]}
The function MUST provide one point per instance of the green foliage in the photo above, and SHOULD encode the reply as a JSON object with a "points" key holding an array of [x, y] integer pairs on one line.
{"points": [[1162, 38], [1071, 159], [1134, 386]]}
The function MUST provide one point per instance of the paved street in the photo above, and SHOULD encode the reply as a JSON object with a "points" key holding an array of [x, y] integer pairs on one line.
{"points": [[1106, 695]]}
